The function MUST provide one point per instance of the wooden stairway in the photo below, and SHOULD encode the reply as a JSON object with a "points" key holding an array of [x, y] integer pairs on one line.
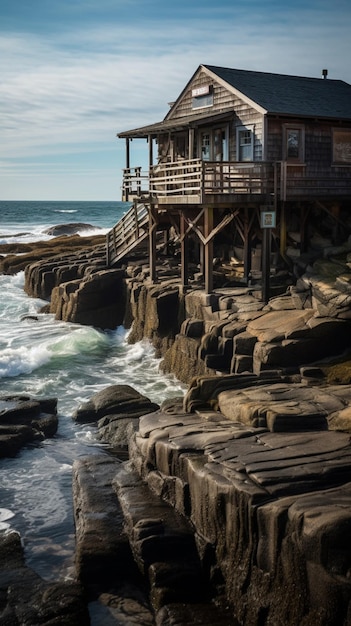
{"points": [[131, 230]]}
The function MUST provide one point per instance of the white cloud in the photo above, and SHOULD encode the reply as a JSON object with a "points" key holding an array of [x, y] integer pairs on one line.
{"points": [[73, 91]]}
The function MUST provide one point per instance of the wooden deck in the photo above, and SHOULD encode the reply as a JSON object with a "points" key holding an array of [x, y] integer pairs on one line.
{"points": [[200, 182], [186, 189]]}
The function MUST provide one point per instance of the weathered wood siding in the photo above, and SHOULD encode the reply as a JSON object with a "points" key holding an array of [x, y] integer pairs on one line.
{"points": [[223, 99], [318, 161]]}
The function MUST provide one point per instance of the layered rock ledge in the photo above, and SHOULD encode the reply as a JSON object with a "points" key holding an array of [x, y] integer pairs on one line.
{"points": [[232, 510], [233, 504]]}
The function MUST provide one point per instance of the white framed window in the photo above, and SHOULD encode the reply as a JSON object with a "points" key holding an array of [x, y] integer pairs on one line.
{"points": [[214, 144], [342, 146], [202, 97], [294, 143], [245, 143]]}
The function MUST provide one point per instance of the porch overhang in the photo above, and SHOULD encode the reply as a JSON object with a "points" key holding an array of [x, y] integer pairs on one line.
{"points": [[177, 124]]}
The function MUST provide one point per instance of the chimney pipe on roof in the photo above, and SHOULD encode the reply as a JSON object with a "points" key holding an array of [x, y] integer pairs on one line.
{"points": [[325, 73]]}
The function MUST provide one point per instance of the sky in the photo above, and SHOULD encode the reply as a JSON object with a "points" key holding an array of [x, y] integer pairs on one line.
{"points": [[74, 73]]}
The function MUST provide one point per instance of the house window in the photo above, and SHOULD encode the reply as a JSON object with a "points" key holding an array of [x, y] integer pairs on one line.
{"points": [[205, 146], [342, 146], [244, 142], [214, 144], [202, 97], [294, 144]]}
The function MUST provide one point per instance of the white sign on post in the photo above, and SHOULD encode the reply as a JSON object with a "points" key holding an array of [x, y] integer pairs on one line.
{"points": [[267, 219]]}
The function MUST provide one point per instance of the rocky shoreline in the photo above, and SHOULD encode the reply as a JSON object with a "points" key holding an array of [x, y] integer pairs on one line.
{"points": [[232, 505]]}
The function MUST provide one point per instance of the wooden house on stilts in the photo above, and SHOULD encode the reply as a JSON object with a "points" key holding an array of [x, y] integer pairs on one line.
{"points": [[235, 149]]}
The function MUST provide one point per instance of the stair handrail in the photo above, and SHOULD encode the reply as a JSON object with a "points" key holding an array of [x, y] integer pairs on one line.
{"points": [[127, 232]]}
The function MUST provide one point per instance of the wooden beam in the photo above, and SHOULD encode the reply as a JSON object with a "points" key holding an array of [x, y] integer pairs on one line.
{"points": [[184, 248], [152, 243], [208, 249], [127, 153], [266, 264], [223, 223], [191, 143], [247, 244], [283, 238], [151, 156], [303, 228], [126, 190]]}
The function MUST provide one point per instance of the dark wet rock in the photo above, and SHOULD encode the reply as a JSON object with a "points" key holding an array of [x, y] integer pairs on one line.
{"points": [[117, 409], [162, 543], [68, 229], [204, 614], [239, 510], [24, 419], [19, 255], [272, 510], [95, 300], [100, 541], [104, 561], [125, 606], [27, 599]]}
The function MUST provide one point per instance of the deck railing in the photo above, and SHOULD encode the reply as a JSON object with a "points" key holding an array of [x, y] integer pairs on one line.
{"points": [[197, 178], [135, 183], [130, 231]]}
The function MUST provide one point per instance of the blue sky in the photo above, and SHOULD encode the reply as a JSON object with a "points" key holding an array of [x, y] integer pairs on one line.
{"points": [[76, 72]]}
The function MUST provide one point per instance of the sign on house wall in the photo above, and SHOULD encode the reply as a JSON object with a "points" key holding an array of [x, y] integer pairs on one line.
{"points": [[342, 146]]}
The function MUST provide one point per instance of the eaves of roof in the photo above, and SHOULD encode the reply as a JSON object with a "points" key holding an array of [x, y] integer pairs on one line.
{"points": [[175, 124]]}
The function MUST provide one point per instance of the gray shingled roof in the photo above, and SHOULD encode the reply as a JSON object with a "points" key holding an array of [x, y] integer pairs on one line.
{"points": [[290, 95]]}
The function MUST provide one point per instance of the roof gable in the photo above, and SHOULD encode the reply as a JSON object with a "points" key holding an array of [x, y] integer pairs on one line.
{"points": [[290, 95], [278, 94]]}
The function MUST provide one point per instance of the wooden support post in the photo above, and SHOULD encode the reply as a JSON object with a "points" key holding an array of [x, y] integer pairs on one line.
{"points": [[208, 250], [335, 211], [247, 246], [266, 264], [282, 229], [151, 155], [152, 246], [191, 143], [303, 229], [184, 249], [126, 188]]}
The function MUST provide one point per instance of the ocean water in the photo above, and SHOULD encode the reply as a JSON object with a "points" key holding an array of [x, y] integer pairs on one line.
{"points": [[48, 358]]}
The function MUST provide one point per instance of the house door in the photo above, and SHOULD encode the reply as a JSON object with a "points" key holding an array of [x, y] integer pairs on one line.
{"points": [[214, 144]]}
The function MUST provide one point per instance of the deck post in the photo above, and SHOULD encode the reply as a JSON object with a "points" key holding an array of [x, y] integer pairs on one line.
{"points": [[247, 246], [184, 249], [282, 229], [208, 250], [266, 264], [126, 189], [151, 156], [152, 245]]}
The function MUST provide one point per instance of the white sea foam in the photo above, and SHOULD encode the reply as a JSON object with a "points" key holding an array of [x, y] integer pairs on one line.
{"points": [[5, 514], [45, 357], [22, 360]]}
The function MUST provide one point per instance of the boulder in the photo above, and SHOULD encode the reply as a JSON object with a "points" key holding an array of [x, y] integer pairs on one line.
{"points": [[116, 409], [27, 599], [97, 300], [24, 419], [68, 229]]}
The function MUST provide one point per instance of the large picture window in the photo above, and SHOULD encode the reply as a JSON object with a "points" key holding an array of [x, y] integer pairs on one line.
{"points": [[342, 146]]}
